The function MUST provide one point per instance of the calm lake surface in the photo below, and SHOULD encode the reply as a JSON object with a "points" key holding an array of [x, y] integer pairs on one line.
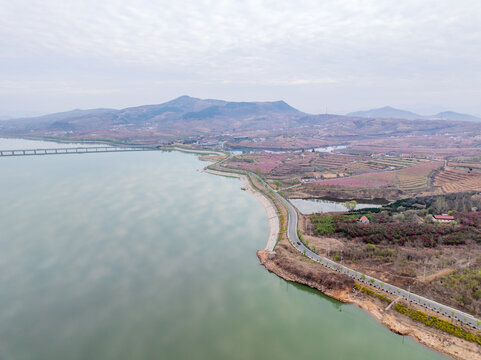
{"points": [[311, 206], [21, 144], [142, 256]]}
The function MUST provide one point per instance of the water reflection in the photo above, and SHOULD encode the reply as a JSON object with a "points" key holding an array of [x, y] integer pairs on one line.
{"points": [[314, 292], [311, 206], [139, 256]]}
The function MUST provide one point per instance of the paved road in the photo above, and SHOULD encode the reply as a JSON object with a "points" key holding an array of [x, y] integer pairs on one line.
{"points": [[391, 289]]}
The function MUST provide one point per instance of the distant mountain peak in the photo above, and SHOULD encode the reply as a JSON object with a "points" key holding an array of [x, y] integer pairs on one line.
{"points": [[387, 112], [392, 113], [455, 116]]}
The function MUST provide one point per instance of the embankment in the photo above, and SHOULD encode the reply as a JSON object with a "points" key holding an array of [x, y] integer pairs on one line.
{"points": [[288, 266], [292, 266]]}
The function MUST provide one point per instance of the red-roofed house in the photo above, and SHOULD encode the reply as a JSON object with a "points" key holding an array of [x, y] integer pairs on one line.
{"points": [[364, 220], [443, 218]]}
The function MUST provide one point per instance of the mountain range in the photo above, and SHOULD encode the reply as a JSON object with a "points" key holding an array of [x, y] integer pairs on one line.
{"points": [[187, 117], [388, 112], [183, 116]]}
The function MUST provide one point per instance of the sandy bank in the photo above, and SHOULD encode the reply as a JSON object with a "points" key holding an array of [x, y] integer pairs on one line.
{"points": [[269, 208]]}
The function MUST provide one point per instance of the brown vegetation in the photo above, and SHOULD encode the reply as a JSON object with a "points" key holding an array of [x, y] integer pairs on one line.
{"points": [[403, 249], [292, 266], [452, 180]]}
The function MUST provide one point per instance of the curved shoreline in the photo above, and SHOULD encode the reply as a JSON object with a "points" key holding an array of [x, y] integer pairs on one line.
{"points": [[272, 216], [457, 348], [192, 151]]}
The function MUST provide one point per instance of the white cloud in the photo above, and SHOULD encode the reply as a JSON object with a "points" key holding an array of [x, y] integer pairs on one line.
{"points": [[240, 42]]}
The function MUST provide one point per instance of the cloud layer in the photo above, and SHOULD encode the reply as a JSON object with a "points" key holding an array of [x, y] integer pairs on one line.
{"points": [[343, 54]]}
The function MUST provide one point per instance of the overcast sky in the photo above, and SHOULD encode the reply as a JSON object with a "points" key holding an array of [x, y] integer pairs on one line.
{"points": [[421, 55]]}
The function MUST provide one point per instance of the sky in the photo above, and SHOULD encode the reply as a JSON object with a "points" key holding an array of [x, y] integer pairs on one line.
{"points": [[335, 56]]}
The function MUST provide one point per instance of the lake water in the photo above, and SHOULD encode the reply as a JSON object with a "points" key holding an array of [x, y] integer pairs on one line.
{"points": [[142, 256], [21, 144], [311, 206]]}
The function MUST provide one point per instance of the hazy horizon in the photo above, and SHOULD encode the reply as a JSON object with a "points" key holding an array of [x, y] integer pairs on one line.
{"points": [[3, 117], [339, 55]]}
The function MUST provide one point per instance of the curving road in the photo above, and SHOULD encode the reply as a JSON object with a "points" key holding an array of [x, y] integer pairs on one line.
{"points": [[391, 289]]}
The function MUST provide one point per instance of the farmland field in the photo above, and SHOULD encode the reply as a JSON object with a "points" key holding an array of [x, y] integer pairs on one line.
{"points": [[416, 178], [465, 165], [453, 180]]}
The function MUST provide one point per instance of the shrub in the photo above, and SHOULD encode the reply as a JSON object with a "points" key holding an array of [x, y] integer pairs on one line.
{"points": [[323, 225], [437, 323], [427, 320], [387, 229]]}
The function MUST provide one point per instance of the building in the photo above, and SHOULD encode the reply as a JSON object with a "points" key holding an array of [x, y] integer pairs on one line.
{"points": [[363, 220], [443, 218]]}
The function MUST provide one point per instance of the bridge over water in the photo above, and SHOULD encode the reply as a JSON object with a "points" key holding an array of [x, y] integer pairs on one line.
{"points": [[75, 150]]}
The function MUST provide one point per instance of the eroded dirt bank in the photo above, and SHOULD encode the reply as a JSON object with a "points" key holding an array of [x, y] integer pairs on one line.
{"points": [[339, 287]]}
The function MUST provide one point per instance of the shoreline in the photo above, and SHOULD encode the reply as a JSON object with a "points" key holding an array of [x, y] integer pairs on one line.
{"points": [[453, 347], [193, 151], [272, 216], [332, 286], [443, 343]]}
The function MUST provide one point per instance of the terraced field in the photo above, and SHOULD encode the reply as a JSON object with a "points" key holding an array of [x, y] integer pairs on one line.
{"points": [[470, 165], [416, 178], [409, 175], [412, 183], [452, 180], [399, 163], [332, 161], [364, 166], [300, 164]]}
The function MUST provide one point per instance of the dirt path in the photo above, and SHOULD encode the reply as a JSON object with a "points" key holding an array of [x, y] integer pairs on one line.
{"points": [[435, 276]]}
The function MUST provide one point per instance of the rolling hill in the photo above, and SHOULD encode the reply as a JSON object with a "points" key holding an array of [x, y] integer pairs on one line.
{"points": [[187, 117], [388, 112]]}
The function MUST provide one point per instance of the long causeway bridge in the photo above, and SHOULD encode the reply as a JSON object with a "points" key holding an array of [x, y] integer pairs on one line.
{"points": [[75, 150]]}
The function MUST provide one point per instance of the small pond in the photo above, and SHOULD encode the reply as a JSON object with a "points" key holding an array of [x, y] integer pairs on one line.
{"points": [[311, 206]]}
